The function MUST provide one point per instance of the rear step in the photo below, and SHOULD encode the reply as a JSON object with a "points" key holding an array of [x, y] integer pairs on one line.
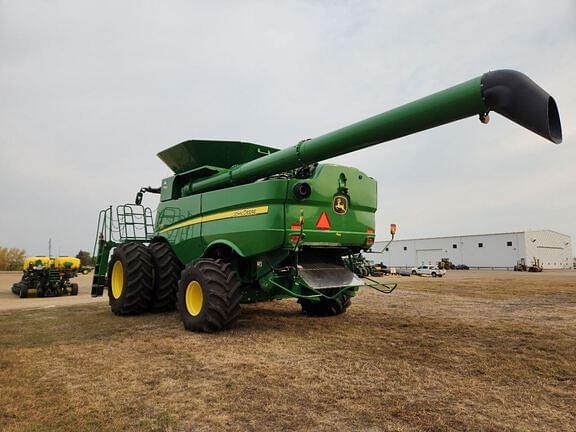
{"points": [[322, 274]]}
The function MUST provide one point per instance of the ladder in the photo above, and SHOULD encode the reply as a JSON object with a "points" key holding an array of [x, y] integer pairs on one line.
{"points": [[130, 223]]}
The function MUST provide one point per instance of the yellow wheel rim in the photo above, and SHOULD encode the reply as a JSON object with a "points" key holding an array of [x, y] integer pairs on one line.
{"points": [[194, 298], [117, 279]]}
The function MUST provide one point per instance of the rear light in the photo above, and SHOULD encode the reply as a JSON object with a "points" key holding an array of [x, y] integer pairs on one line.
{"points": [[295, 227], [294, 238], [369, 236], [393, 229]]}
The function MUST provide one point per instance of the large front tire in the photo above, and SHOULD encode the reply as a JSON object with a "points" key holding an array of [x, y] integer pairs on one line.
{"points": [[130, 279], [209, 295], [167, 269], [325, 307]]}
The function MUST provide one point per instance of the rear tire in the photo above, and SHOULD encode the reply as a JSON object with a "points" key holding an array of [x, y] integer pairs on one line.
{"points": [[73, 289], [167, 269], [23, 291], [325, 307], [130, 278], [209, 295], [413, 272], [433, 274]]}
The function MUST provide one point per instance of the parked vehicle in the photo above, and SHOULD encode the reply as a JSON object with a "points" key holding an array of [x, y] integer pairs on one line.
{"points": [[428, 270], [380, 270], [535, 267], [446, 264], [461, 267]]}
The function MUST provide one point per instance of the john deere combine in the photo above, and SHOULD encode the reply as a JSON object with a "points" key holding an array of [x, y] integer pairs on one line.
{"points": [[241, 222], [48, 277]]}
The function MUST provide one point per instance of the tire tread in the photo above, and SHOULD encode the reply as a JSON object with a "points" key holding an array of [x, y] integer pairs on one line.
{"points": [[138, 278], [167, 269], [325, 307], [221, 290]]}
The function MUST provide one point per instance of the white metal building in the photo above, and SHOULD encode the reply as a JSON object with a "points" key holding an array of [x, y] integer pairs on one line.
{"points": [[499, 250]]}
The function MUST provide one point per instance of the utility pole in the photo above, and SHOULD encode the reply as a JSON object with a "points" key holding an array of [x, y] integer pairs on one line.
{"points": [[49, 248]]}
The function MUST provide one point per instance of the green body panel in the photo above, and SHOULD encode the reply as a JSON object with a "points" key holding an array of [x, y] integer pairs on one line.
{"points": [[349, 229], [253, 234], [190, 241], [187, 241], [181, 222]]}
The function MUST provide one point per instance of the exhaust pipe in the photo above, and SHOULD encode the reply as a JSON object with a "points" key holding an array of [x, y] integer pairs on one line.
{"points": [[518, 98]]}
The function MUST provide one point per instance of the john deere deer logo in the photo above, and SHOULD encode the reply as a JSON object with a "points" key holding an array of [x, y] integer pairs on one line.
{"points": [[340, 204]]}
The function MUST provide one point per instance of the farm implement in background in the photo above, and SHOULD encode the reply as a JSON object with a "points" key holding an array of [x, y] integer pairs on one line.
{"points": [[48, 277]]}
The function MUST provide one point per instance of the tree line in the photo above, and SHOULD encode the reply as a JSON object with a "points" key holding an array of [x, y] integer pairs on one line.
{"points": [[11, 258]]}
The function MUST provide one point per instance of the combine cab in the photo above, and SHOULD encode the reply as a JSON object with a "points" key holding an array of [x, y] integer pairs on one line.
{"points": [[240, 222]]}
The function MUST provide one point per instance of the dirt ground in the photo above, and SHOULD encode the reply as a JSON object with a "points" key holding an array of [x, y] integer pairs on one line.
{"points": [[9, 301], [491, 351]]}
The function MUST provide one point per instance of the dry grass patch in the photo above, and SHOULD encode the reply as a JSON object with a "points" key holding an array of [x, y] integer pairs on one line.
{"points": [[468, 352]]}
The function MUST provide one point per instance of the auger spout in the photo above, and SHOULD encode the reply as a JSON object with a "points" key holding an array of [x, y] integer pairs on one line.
{"points": [[510, 93]]}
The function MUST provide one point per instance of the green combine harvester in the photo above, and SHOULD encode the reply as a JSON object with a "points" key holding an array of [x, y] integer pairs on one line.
{"points": [[48, 277], [241, 222]]}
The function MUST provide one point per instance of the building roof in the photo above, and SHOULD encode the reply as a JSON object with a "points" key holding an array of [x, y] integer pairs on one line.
{"points": [[473, 235]]}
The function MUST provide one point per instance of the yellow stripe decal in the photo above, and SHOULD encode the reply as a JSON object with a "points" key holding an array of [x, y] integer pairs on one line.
{"points": [[253, 211], [189, 222]]}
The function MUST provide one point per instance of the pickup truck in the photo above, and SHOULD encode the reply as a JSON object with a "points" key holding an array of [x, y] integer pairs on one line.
{"points": [[428, 270]]}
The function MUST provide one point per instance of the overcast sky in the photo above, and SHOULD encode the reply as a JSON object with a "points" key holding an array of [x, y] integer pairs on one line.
{"points": [[90, 91]]}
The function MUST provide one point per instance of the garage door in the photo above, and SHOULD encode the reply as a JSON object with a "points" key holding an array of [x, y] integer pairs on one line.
{"points": [[428, 256]]}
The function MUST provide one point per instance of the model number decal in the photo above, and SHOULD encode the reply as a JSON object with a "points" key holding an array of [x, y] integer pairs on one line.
{"points": [[244, 212]]}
